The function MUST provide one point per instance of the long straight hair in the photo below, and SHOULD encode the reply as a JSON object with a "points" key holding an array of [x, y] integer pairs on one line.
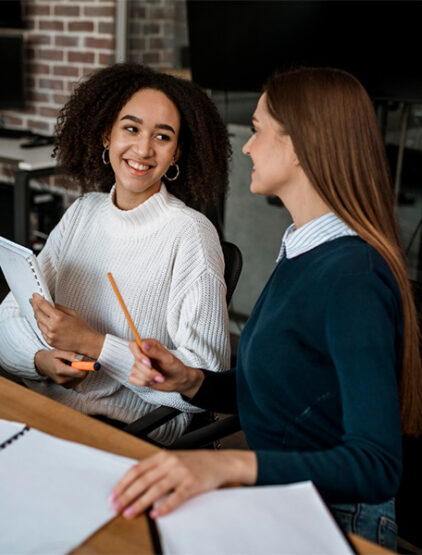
{"points": [[331, 121]]}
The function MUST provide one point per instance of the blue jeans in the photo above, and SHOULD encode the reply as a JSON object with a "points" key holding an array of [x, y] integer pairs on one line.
{"points": [[376, 523]]}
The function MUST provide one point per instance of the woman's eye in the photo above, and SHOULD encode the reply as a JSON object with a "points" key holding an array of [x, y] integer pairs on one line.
{"points": [[162, 137], [131, 128]]}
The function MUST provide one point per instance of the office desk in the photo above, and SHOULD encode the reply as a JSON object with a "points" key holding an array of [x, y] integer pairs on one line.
{"points": [[118, 536], [20, 404], [27, 164]]}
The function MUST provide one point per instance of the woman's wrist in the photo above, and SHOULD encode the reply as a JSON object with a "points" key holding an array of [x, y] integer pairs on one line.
{"points": [[92, 345], [242, 466], [38, 358], [193, 381]]}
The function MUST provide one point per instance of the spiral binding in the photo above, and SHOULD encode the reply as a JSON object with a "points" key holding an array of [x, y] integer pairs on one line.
{"points": [[13, 438], [40, 289]]}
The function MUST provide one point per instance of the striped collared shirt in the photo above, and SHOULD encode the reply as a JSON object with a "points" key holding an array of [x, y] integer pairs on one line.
{"points": [[311, 235]]}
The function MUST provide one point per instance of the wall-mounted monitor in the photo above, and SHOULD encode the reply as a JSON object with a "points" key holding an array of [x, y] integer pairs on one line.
{"points": [[11, 14], [236, 45], [12, 61]]}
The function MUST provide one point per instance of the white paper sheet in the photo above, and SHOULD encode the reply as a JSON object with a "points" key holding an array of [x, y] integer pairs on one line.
{"points": [[266, 520], [53, 493]]}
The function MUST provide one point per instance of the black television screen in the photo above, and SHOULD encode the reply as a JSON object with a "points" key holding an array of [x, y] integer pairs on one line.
{"points": [[11, 14], [12, 89], [236, 45]]}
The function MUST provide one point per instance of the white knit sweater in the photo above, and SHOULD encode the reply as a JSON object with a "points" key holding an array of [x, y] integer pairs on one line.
{"points": [[167, 262]]}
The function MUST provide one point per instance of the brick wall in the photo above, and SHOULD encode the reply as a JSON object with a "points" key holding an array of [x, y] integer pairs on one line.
{"points": [[65, 40]]}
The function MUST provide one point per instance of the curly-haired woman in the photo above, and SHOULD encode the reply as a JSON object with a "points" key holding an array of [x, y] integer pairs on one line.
{"points": [[144, 143]]}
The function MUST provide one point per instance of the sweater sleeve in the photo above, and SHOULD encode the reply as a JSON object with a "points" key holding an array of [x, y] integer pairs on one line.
{"points": [[200, 330], [361, 331], [18, 342]]}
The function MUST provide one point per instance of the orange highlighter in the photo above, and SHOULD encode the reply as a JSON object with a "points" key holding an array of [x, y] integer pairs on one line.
{"points": [[84, 365]]}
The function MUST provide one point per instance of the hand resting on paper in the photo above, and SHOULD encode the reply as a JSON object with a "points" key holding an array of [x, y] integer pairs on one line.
{"points": [[63, 328], [159, 369], [50, 364], [181, 474]]}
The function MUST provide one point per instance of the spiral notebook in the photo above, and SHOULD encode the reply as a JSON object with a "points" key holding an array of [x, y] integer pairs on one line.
{"points": [[53, 492], [24, 277]]}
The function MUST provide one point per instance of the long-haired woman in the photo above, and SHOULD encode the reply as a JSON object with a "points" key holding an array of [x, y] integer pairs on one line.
{"points": [[329, 372]]}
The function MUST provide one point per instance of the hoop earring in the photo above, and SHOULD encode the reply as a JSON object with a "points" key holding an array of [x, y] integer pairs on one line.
{"points": [[103, 156], [177, 173]]}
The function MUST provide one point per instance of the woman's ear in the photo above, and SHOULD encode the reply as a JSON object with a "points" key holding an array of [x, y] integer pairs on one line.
{"points": [[177, 154], [106, 141]]}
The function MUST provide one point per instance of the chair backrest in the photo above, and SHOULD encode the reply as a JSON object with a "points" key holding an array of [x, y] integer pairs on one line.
{"points": [[233, 266]]}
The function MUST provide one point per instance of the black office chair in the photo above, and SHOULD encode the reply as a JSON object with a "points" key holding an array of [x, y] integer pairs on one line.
{"points": [[203, 430]]}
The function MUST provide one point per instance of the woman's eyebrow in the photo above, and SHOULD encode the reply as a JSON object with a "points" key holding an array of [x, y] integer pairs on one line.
{"points": [[157, 126]]}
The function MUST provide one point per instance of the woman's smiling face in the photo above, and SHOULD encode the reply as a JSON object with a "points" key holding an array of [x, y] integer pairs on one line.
{"points": [[143, 143]]}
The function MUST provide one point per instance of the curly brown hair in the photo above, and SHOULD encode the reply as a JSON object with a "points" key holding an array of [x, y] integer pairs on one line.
{"points": [[93, 108]]}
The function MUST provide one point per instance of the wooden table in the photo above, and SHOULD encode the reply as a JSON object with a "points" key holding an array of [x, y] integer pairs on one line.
{"points": [[120, 535], [22, 405]]}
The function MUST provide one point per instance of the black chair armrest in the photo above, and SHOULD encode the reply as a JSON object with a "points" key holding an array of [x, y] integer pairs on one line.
{"points": [[208, 434], [154, 419]]}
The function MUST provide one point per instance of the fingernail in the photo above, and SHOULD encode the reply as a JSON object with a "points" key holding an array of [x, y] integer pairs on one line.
{"points": [[112, 497], [79, 357], [115, 505], [146, 362], [154, 513], [146, 346], [129, 512], [159, 379]]}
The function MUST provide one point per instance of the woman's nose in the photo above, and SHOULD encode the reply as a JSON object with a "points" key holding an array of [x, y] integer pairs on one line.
{"points": [[143, 146], [245, 147]]}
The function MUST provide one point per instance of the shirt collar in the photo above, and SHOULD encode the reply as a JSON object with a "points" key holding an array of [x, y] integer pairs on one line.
{"points": [[311, 235]]}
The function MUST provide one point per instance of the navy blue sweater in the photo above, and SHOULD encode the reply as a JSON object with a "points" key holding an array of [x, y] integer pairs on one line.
{"points": [[316, 377]]}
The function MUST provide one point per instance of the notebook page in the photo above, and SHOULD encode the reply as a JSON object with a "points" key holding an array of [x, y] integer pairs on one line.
{"points": [[53, 493], [9, 429], [245, 521]]}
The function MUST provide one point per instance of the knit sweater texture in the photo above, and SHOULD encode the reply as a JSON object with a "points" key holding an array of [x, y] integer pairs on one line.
{"points": [[167, 262], [316, 375]]}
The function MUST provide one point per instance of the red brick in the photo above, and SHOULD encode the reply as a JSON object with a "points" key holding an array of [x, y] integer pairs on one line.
{"points": [[106, 59], [67, 71], [71, 85], [63, 40], [45, 25], [35, 96], [67, 10], [136, 11], [82, 57], [40, 69], [80, 26], [56, 55], [37, 125], [105, 44], [48, 112], [151, 28], [12, 120], [161, 13], [51, 84], [100, 11], [34, 9], [37, 38], [60, 99], [156, 44], [106, 28], [150, 57], [137, 44]]}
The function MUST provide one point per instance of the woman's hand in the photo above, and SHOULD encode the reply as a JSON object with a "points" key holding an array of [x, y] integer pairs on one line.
{"points": [[181, 474], [63, 328], [50, 364], [158, 368]]}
